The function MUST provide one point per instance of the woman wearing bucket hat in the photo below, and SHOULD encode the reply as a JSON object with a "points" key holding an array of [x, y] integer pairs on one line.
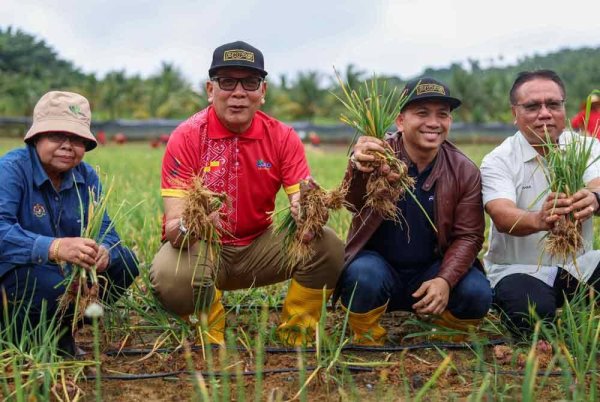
{"points": [[45, 186]]}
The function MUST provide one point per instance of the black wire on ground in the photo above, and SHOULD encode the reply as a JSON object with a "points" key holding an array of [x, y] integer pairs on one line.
{"points": [[278, 307], [354, 369], [426, 345], [355, 348], [523, 372], [146, 376]]}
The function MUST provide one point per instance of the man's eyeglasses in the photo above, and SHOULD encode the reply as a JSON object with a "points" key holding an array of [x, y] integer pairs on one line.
{"points": [[60, 138], [229, 83], [535, 107]]}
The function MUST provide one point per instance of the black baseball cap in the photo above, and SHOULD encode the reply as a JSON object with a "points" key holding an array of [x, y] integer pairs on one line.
{"points": [[429, 88], [237, 54]]}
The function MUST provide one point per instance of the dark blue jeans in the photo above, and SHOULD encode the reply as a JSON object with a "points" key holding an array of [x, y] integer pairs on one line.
{"points": [[377, 282], [28, 286]]}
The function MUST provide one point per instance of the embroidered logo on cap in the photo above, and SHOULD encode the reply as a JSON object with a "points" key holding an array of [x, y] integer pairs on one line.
{"points": [[238, 54], [429, 88], [76, 110], [39, 210]]}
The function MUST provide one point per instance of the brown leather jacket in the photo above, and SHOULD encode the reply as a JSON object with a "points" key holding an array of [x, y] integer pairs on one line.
{"points": [[458, 210]]}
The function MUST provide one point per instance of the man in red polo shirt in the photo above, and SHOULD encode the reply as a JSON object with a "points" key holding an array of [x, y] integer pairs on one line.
{"points": [[240, 151]]}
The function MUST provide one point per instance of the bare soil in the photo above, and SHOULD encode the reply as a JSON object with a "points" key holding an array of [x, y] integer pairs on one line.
{"points": [[374, 375]]}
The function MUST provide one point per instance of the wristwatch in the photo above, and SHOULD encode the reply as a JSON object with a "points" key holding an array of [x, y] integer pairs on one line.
{"points": [[597, 194], [182, 229], [353, 161]]}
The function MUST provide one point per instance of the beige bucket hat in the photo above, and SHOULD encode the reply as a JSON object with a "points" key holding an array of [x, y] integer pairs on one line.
{"points": [[63, 111]]}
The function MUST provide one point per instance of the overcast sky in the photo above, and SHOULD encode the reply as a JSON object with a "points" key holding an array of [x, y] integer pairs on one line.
{"points": [[401, 37]]}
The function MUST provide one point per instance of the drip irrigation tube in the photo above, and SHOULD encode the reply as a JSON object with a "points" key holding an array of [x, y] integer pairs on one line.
{"points": [[355, 369], [146, 376], [523, 373], [355, 348]]}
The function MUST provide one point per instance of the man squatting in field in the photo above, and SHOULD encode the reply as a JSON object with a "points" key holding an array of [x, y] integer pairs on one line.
{"points": [[248, 155], [409, 266], [40, 221], [513, 182]]}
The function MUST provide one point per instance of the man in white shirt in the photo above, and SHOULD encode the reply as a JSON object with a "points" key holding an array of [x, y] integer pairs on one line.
{"points": [[513, 178]]}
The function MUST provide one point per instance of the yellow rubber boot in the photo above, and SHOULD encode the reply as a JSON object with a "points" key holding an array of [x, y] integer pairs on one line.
{"points": [[365, 327], [215, 322], [449, 321], [300, 314]]}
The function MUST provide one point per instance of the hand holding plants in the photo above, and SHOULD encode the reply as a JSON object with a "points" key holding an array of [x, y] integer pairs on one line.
{"points": [[555, 206], [565, 165], [295, 212], [75, 250], [85, 254], [584, 204], [202, 212], [102, 259], [371, 110], [305, 218], [364, 154]]}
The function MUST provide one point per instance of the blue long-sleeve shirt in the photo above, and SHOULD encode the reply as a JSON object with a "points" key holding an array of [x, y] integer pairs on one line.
{"points": [[29, 203]]}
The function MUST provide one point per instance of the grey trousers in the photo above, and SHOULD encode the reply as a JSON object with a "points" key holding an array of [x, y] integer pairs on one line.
{"points": [[184, 280]]}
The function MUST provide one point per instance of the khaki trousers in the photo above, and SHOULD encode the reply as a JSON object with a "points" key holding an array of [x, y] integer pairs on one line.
{"points": [[184, 280]]}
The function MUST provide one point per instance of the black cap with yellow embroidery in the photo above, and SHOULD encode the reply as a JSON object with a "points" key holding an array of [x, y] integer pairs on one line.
{"points": [[429, 88], [237, 54]]}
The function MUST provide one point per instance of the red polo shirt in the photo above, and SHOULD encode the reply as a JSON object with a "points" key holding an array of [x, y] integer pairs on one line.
{"points": [[249, 167], [593, 125]]}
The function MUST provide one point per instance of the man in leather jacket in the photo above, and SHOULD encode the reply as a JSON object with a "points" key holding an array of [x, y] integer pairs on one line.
{"points": [[410, 265]]}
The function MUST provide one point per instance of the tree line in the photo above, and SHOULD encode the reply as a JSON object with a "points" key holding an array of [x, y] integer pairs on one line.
{"points": [[29, 68]]}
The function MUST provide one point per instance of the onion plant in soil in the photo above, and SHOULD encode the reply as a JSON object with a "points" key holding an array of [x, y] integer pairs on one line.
{"points": [[82, 284], [371, 110], [564, 167], [315, 204], [137, 320], [201, 215]]}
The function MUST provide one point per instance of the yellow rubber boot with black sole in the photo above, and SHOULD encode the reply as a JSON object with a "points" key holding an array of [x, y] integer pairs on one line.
{"points": [[300, 314], [365, 327], [448, 321], [215, 322]]}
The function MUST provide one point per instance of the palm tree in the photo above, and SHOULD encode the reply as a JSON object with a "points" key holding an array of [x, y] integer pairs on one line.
{"points": [[113, 94], [308, 94]]}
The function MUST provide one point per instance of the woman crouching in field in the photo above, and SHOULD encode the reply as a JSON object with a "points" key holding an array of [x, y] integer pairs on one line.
{"points": [[45, 198]]}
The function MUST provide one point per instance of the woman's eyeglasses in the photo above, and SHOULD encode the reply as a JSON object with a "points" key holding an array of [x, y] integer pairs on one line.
{"points": [[60, 138]]}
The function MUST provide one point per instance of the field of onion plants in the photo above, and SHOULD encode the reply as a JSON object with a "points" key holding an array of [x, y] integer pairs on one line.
{"points": [[136, 351]]}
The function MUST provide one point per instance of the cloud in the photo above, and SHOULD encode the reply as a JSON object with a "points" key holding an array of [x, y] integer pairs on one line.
{"points": [[400, 37]]}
